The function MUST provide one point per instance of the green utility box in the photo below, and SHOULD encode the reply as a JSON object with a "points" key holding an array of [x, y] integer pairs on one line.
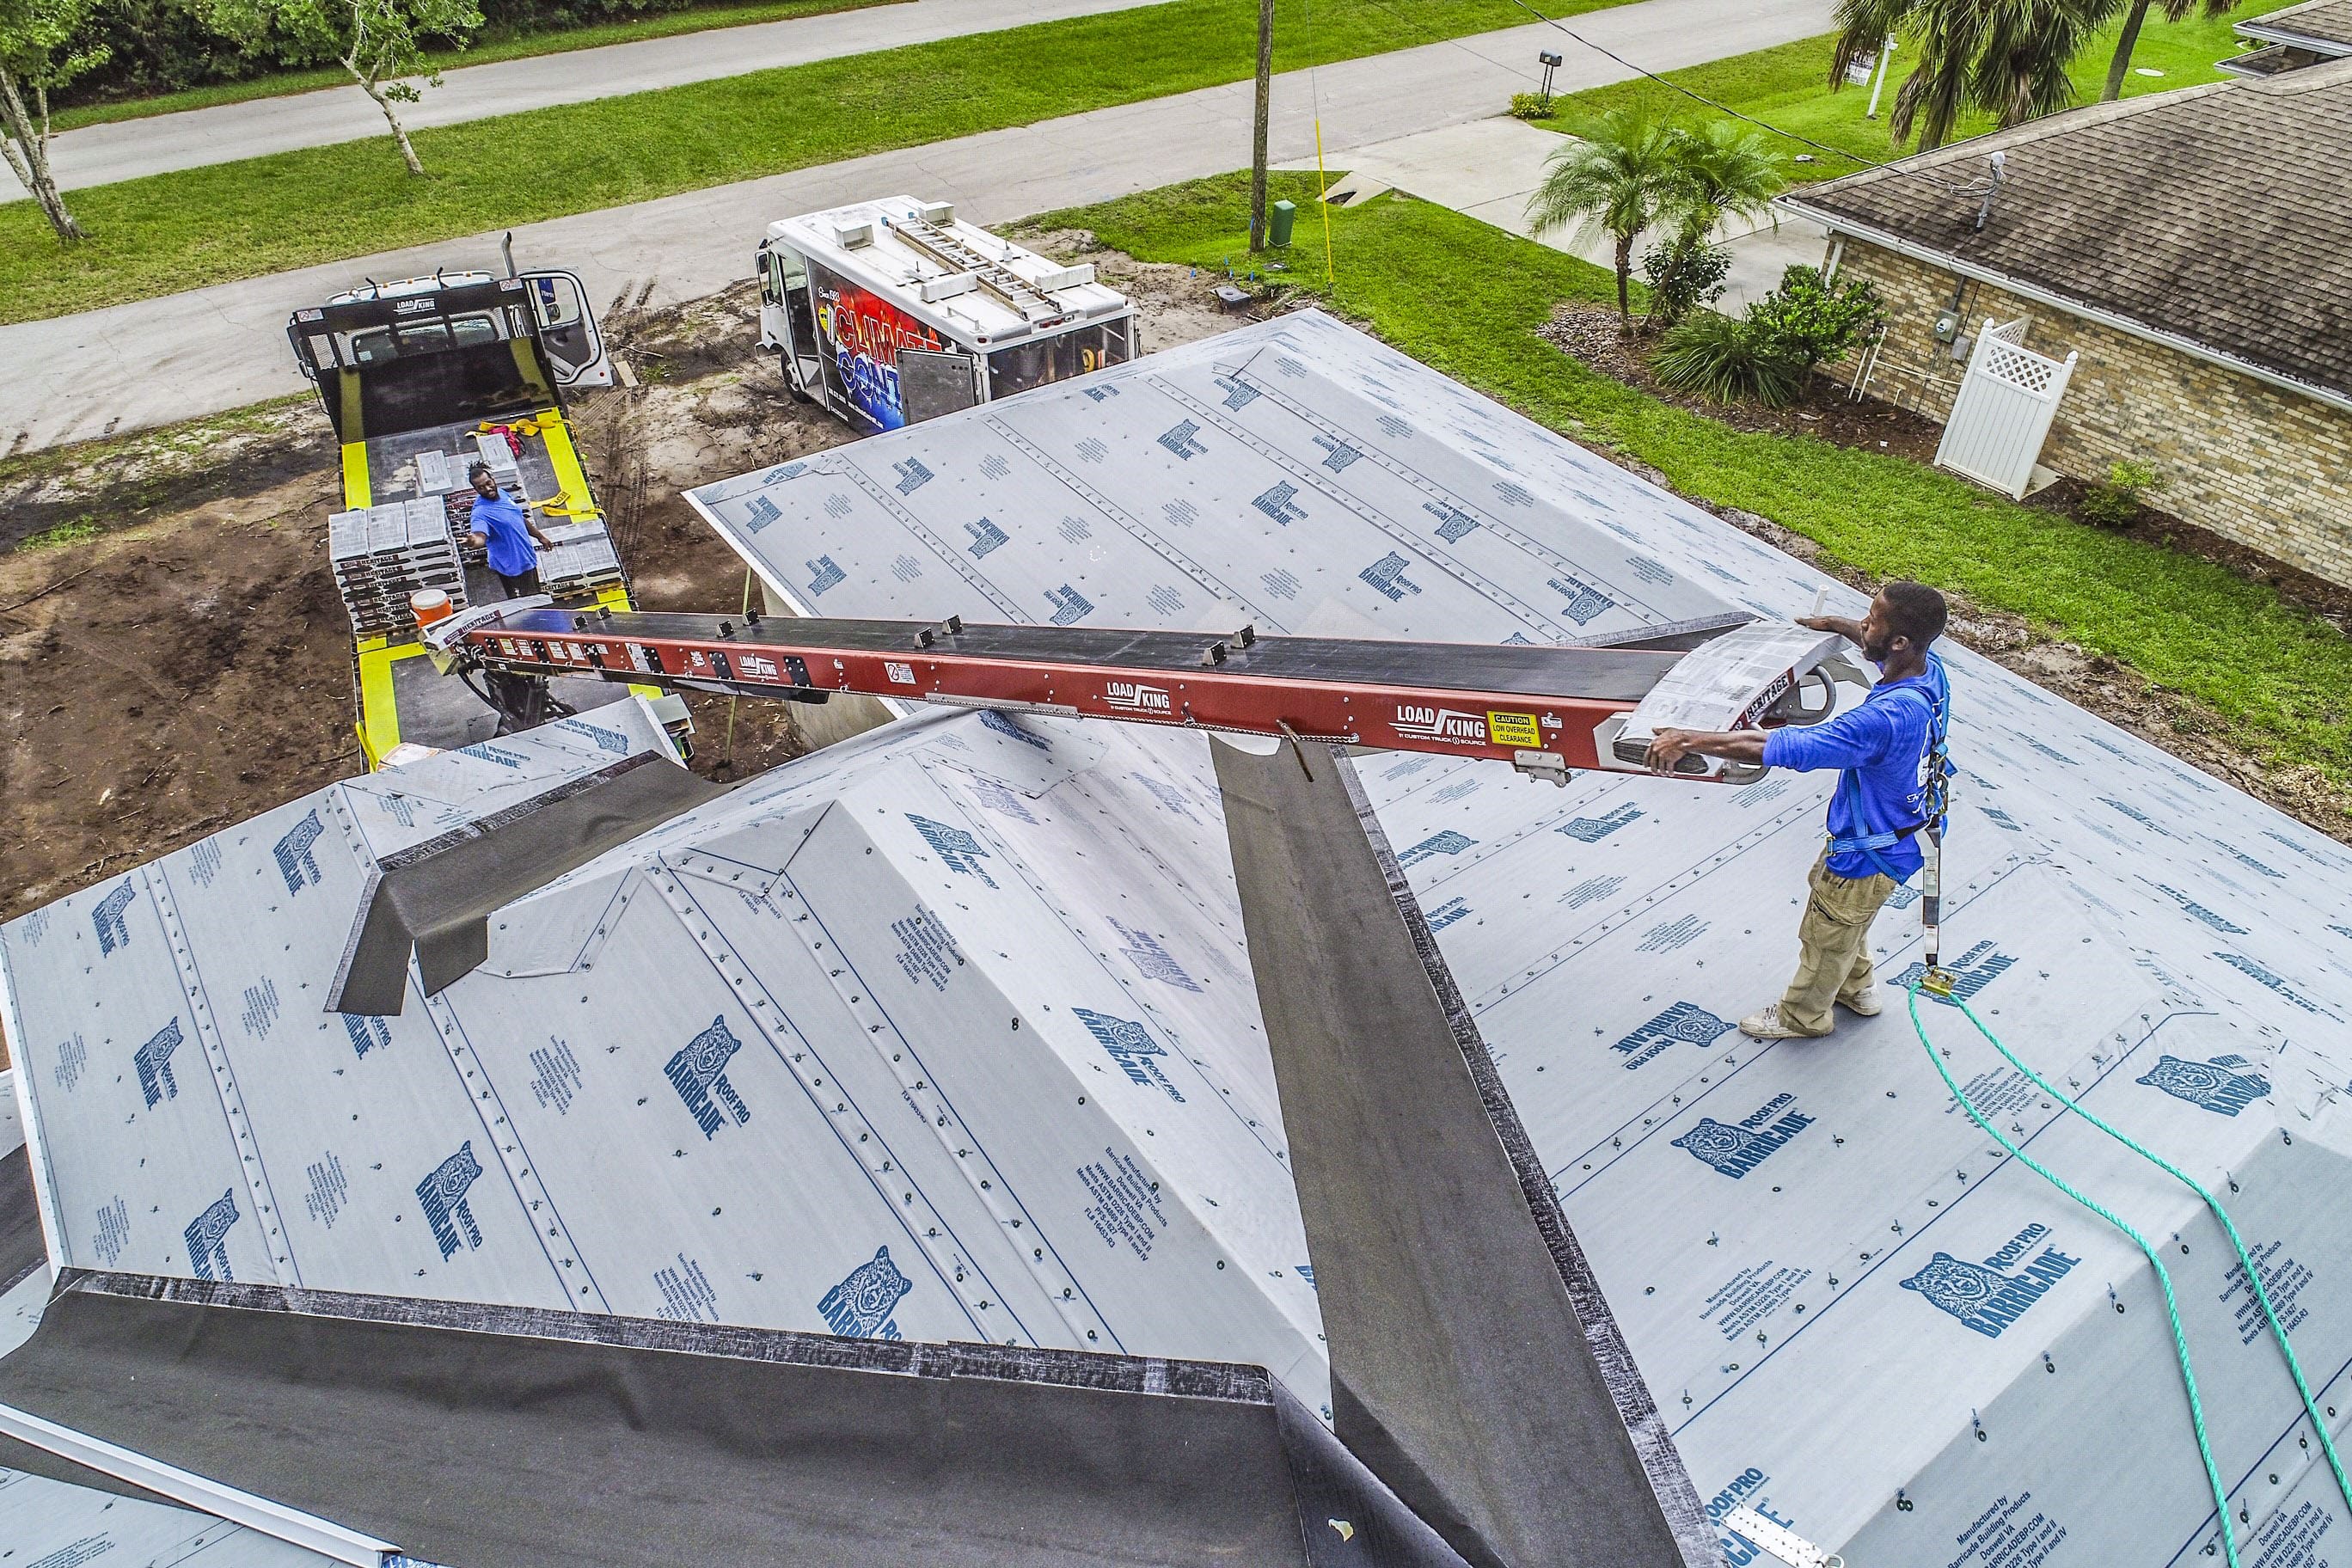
{"points": [[1278, 222]]}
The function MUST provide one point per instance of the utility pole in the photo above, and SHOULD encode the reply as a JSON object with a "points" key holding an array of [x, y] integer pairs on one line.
{"points": [[1264, 109]]}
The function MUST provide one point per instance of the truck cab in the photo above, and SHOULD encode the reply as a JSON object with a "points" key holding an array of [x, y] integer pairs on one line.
{"points": [[420, 378], [890, 312]]}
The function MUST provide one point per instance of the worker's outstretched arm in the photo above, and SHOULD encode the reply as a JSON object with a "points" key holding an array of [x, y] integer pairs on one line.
{"points": [[1850, 630], [1734, 746]]}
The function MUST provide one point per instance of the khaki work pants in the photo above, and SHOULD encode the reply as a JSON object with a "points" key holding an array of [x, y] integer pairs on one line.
{"points": [[1834, 942]]}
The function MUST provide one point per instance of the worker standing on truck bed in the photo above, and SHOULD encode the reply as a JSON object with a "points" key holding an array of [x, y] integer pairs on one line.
{"points": [[506, 528], [1889, 752]]}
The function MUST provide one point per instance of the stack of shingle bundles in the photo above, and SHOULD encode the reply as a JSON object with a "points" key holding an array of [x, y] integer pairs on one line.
{"points": [[385, 554], [582, 560]]}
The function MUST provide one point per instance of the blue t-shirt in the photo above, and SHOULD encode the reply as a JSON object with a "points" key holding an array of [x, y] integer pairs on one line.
{"points": [[502, 522], [1884, 742]]}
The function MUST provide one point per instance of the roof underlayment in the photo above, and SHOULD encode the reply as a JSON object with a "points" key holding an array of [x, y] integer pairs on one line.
{"points": [[947, 1032]]}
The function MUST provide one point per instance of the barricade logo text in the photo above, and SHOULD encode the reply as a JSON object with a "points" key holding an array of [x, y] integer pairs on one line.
{"points": [[1684, 1022], [295, 861], [367, 1034], [1593, 829], [106, 919], [2215, 1085], [1132, 1048], [1737, 1149], [443, 1196], [957, 851], [859, 1308], [1010, 728], [698, 1073], [1447, 843], [154, 1062], [207, 1235], [1981, 1295]]}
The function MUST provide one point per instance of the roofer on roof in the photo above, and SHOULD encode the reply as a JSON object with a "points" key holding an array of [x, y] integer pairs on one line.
{"points": [[1889, 754], [506, 527]]}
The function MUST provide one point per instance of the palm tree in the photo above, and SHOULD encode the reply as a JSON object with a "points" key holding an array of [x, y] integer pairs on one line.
{"points": [[1617, 175], [1724, 169], [2174, 10], [2007, 57]]}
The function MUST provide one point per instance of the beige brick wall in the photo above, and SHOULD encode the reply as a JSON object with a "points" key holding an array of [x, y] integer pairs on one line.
{"points": [[2266, 468]]}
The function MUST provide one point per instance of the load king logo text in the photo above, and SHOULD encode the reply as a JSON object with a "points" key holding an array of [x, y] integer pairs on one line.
{"points": [[1131, 697], [1441, 724], [1981, 1295]]}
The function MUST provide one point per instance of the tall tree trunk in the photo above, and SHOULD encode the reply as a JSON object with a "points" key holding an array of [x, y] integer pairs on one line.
{"points": [[2124, 46], [399, 131], [1625, 271], [27, 147], [1258, 133]]}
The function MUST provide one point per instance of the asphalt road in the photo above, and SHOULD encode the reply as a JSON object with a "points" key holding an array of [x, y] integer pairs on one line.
{"points": [[127, 149], [155, 361]]}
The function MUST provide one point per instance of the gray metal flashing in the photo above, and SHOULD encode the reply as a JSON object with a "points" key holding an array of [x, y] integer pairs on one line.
{"points": [[433, 900], [566, 1445], [1464, 1369]]}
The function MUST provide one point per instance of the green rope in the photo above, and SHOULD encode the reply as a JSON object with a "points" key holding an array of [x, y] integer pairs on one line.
{"points": [[2254, 1275], [2171, 1304]]}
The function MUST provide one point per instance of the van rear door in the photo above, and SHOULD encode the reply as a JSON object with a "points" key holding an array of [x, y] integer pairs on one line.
{"points": [[567, 329]]}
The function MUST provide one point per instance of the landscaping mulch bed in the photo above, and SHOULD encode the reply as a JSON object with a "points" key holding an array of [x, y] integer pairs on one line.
{"points": [[1592, 334]]}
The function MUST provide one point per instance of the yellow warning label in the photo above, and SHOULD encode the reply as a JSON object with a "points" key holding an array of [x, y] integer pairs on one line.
{"points": [[1514, 730]]}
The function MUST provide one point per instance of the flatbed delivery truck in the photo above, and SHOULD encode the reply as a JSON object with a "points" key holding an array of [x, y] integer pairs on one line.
{"points": [[422, 378], [890, 312]]}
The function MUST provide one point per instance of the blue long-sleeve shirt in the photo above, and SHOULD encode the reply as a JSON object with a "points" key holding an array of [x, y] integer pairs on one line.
{"points": [[1884, 742], [506, 526]]}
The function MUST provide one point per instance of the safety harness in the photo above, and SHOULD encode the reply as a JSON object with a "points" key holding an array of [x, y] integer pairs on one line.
{"points": [[1872, 845]]}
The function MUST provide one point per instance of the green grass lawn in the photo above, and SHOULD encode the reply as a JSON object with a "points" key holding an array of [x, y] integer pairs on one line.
{"points": [[176, 231], [482, 52], [1788, 88], [1466, 298]]}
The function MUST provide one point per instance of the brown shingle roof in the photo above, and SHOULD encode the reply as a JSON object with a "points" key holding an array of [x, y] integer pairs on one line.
{"points": [[2320, 21], [2218, 215]]}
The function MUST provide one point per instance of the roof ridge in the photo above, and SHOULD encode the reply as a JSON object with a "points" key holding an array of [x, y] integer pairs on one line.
{"points": [[2057, 122]]}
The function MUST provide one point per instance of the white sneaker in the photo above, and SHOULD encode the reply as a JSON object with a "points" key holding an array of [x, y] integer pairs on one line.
{"points": [[1768, 1026], [1867, 1003]]}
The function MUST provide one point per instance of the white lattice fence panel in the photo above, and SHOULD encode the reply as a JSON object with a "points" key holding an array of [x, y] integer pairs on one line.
{"points": [[2004, 408]]}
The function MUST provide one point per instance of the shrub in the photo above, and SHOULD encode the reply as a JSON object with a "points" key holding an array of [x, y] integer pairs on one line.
{"points": [[1814, 321], [1724, 357], [1531, 106], [2116, 503], [1685, 273]]}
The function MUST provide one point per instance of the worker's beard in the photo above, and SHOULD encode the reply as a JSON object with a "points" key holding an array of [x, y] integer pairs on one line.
{"points": [[1880, 651]]}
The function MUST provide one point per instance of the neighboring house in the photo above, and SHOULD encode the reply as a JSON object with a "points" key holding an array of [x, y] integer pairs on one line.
{"points": [[2192, 248], [2310, 34]]}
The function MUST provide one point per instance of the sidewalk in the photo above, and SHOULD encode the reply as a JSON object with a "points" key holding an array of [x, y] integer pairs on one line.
{"points": [[1488, 169], [154, 362], [127, 149]]}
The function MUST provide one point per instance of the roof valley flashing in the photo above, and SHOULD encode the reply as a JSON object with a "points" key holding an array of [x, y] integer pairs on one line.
{"points": [[435, 899]]}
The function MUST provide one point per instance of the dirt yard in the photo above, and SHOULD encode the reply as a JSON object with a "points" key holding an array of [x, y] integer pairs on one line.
{"points": [[174, 657]]}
